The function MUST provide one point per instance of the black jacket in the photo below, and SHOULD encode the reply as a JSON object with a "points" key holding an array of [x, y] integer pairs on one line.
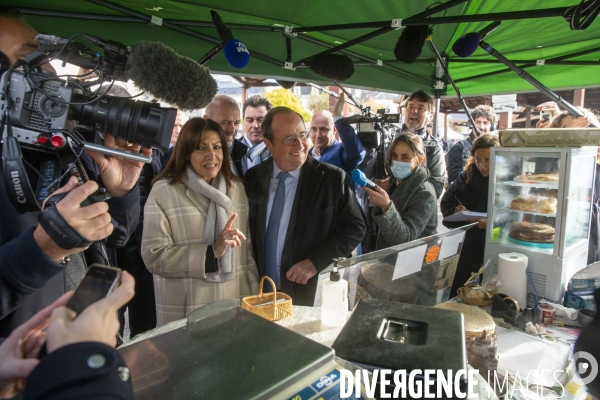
{"points": [[66, 374], [237, 153], [436, 164], [29, 279], [456, 158], [325, 221], [473, 196]]}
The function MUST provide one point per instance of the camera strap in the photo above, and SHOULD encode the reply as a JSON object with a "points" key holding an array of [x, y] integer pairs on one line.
{"points": [[16, 181], [59, 229]]}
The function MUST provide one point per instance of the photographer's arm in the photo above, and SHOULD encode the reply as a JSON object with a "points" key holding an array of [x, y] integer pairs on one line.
{"points": [[353, 151]]}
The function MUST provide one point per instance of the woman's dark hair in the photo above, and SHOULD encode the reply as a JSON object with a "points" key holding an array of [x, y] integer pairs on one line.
{"points": [[482, 142], [187, 142], [414, 142]]}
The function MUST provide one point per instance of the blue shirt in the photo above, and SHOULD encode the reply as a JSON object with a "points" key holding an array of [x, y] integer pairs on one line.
{"points": [[291, 184], [346, 155]]}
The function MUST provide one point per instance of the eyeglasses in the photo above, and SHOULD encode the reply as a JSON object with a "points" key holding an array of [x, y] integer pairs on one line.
{"points": [[420, 109], [291, 140]]}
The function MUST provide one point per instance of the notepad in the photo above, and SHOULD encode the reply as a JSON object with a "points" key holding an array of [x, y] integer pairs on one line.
{"points": [[462, 216]]}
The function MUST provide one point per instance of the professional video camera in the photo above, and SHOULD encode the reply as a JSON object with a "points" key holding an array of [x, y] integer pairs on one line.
{"points": [[375, 130], [45, 110], [52, 120]]}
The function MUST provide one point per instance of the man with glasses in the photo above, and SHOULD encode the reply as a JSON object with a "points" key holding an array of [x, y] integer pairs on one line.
{"points": [[225, 112], [346, 155], [302, 211], [419, 111]]}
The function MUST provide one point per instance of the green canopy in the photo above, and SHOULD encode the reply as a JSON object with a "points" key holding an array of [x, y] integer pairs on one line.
{"points": [[539, 33]]}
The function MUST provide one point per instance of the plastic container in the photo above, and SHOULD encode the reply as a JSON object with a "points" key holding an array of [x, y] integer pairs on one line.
{"points": [[334, 303], [547, 311]]}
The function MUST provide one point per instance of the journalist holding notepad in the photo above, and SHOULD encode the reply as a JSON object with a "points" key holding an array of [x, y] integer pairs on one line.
{"points": [[469, 192]]}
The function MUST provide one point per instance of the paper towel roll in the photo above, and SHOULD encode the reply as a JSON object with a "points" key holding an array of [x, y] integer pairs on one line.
{"points": [[512, 274]]}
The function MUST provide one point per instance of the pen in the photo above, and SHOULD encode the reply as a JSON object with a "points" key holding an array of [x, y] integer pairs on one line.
{"points": [[563, 325]]}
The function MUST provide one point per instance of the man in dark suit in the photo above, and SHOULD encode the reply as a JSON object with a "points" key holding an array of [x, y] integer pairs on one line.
{"points": [[318, 218], [225, 111]]}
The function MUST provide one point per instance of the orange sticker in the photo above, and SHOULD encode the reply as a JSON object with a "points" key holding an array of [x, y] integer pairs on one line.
{"points": [[432, 254]]}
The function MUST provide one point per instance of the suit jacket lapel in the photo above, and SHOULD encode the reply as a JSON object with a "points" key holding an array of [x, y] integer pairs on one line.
{"points": [[308, 186]]}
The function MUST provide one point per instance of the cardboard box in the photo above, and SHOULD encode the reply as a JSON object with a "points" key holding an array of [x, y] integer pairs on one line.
{"points": [[554, 137]]}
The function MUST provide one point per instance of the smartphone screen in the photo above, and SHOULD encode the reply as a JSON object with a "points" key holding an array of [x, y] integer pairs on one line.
{"points": [[97, 283]]}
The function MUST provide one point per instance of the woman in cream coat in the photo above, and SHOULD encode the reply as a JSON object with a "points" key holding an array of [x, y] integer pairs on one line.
{"points": [[195, 238]]}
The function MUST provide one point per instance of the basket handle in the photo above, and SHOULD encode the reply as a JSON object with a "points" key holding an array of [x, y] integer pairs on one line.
{"points": [[260, 290]]}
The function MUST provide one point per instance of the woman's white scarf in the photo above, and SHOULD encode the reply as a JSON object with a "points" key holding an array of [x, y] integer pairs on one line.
{"points": [[216, 219]]}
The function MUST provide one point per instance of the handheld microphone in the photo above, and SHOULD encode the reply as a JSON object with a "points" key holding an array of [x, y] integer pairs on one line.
{"points": [[359, 177], [235, 52], [468, 43]]}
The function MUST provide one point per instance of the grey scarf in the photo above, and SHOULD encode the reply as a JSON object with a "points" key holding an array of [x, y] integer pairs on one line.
{"points": [[216, 219]]}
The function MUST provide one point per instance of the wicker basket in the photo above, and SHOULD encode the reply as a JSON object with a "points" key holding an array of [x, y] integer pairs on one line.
{"points": [[272, 306]]}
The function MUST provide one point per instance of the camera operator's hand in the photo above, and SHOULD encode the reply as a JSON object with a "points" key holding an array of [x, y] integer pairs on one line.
{"points": [[18, 351], [97, 323], [339, 106], [92, 222], [118, 175]]}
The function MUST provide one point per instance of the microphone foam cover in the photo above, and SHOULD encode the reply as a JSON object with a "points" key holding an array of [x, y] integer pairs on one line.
{"points": [[359, 177], [174, 79], [332, 66], [410, 43], [236, 54], [466, 44]]}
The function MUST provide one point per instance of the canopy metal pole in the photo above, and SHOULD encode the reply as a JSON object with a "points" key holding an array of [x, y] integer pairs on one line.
{"points": [[385, 28], [561, 58], [460, 98], [542, 13], [178, 28], [534, 82]]}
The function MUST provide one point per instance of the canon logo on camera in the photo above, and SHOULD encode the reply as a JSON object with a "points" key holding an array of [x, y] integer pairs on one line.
{"points": [[16, 180]]}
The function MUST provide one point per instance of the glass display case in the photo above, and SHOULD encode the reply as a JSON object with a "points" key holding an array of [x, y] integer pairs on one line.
{"points": [[418, 272], [539, 204]]}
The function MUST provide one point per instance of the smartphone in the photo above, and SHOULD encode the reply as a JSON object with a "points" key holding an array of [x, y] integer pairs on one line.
{"points": [[98, 282], [545, 116]]}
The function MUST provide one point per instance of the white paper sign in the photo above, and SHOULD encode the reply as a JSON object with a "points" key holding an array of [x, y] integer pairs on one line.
{"points": [[409, 261], [450, 245]]}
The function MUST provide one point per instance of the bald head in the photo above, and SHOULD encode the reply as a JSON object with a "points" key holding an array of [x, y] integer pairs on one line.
{"points": [[224, 111], [322, 130]]}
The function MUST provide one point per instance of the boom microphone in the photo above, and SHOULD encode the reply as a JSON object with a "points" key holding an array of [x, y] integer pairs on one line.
{"points": [[410, 43], [359, 177], [235, 52], [158, 70], [332, 66]]}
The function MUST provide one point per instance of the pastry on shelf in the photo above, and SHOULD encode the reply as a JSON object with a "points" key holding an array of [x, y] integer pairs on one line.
{"points": [[531, 232], [534, 203], [552, 178]]}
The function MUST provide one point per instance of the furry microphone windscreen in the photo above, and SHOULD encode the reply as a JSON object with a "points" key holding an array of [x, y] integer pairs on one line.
{"points": [[332, 66], [410, 43], [174, 79]]}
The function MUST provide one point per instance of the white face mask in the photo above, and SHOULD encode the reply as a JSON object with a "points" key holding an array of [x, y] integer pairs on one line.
{"points": [[400, 169]]}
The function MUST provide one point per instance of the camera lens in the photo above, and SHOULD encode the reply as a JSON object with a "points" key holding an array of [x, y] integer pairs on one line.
{"points": [[137, 122]]}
